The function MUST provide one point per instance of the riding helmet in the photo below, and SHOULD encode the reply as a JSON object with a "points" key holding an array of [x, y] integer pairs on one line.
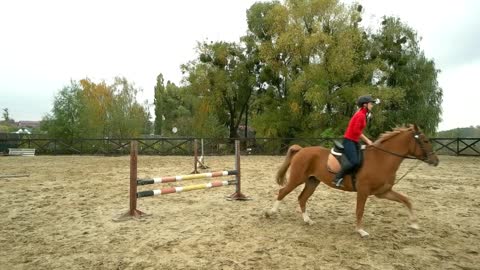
{"points": [[366, 99]]}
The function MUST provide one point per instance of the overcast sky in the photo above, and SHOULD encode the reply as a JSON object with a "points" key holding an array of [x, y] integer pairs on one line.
{"points": [[45, 44]]}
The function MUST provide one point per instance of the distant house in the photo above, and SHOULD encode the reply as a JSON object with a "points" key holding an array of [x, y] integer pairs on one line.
{"points": [[28, 124], [23, 131]]}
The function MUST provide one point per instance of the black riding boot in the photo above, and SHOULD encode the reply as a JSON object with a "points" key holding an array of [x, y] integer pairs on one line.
{"points": [[346, 168], [338, 181]]}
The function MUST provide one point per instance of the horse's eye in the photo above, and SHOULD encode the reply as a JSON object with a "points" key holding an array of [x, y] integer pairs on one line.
{"points": [[426, 141]]}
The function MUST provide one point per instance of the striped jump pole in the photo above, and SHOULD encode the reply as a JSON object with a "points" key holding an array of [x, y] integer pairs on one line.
{"points": [[169, 190], [178, 178]]}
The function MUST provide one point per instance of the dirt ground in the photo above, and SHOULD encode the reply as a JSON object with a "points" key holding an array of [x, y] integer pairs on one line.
{"points": [[61, 217]]}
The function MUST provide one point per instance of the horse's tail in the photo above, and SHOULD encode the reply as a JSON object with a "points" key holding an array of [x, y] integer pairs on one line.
{"points": [[286, 164]]}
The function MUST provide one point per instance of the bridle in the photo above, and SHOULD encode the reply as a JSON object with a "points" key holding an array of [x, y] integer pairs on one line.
{"points": [[426, 155], [416, 136]]}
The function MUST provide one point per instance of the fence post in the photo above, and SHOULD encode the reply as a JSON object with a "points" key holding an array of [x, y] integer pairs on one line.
{"points": [[458, 146]]}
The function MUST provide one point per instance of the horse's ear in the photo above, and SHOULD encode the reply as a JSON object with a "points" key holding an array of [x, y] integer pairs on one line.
{"points": [[415, 127]]}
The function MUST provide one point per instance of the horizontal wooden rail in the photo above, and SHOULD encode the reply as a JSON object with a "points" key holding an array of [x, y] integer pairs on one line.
{"points": [[212, 146]]}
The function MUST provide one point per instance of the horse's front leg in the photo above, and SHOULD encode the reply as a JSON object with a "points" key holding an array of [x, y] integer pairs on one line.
{"points": [[361, 200], [397, 197]]}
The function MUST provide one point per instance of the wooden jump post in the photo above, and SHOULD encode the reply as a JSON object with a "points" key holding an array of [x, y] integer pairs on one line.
{"points": [[196, 160], [134, 212], [134, 181]]}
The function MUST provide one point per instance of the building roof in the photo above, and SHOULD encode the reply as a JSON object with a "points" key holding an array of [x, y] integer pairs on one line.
{"points": [[29, 124]]}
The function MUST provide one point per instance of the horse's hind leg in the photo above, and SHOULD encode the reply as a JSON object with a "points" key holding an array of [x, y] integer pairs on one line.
{"points": [[310, 186], [281, 194], [294, 181], [395, 196]]}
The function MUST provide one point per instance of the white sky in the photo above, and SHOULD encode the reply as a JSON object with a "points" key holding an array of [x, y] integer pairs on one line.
{"points": [[45, 44]]}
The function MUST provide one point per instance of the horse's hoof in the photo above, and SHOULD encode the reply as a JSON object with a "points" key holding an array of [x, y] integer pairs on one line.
{"points": [[309, 222], [268, 213], [363, 233], [414, 226]]}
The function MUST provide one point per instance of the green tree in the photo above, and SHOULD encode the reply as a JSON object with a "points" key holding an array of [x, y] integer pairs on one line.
{"points": [[415, 96], [177, 111], [222, 77], [175, 108], [313, 63], [98, 110], [159, 104], [127, 117], [97, 102], [6, 115], [8, 125], [64, 120], [315, 59]]}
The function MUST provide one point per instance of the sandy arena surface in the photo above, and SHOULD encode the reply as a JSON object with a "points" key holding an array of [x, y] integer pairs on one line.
{"points": [[61, 217]]}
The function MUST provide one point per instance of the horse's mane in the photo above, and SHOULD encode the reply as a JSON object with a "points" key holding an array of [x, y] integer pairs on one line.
{"points": [[390, 134]]}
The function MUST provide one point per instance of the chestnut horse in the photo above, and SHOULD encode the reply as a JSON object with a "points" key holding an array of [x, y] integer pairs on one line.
{"points": [[376, 176]]}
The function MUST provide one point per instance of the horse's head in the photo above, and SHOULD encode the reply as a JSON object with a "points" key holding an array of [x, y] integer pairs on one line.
{"points": [[422, 148]]}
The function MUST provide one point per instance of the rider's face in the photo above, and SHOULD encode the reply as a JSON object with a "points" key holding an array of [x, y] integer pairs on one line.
{"points": [[370, 106]]}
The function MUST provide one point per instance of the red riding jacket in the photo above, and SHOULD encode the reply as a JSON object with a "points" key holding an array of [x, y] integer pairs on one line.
{"points": [[356, 125]]}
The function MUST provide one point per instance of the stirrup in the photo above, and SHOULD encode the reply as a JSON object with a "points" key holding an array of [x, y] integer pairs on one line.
{"points": [[338, 182]]}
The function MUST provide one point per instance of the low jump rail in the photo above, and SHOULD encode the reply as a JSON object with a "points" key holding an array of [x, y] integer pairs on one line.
{"points": [[135, 182]]}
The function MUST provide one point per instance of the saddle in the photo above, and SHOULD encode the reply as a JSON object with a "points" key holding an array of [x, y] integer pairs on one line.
{"points": [[337, 160]]}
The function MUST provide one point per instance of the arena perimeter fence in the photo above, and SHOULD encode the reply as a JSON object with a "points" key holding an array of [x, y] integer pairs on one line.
{"points": [[211, 146]]}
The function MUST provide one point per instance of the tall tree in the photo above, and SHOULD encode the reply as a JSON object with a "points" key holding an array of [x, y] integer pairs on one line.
{"points": [[177, 111], [313, 61], [64, 120], [8, 125], [127, 117], [97, 101], [410, 75], [222, 77], [159, 92], [89, 109], [6, 115]]}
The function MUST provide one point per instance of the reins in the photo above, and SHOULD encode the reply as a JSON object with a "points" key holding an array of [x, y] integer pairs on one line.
{"points": [[392, 153], [407, 157], [408, 171], [400, 156]]}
